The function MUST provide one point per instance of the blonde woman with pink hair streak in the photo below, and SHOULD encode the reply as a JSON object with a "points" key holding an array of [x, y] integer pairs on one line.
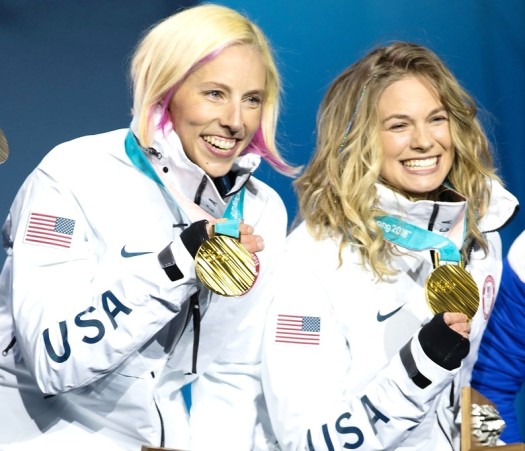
{"points": [[140, 260]]}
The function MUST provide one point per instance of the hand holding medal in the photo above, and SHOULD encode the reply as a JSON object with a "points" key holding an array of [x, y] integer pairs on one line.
{"points": [[223, 263], [449, 287]]}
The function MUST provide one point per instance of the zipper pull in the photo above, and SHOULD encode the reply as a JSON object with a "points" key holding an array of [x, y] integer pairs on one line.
{"points": [[9, 346]]}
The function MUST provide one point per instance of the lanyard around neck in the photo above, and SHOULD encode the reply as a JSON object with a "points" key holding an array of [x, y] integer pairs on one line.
{"points": [[415, 238]]}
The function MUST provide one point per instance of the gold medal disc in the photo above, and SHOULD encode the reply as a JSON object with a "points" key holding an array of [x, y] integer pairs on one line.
{"points": [[4, 148], [225, 267], [450, 288]]}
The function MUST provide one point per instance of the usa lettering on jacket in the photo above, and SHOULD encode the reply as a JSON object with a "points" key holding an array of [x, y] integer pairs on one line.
{"points": [[353, 432], [107, 298]]}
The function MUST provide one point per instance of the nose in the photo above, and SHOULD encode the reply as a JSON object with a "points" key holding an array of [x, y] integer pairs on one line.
{"points": [[232, 117], [421, 139]]}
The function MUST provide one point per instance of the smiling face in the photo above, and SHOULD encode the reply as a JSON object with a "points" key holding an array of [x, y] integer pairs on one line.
{"points": [[218, 108], [415, 134]]}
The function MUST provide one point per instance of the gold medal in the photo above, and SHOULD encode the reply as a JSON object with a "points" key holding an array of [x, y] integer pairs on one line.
{"points": [[450, 288], [225, 267], [4, 148]]}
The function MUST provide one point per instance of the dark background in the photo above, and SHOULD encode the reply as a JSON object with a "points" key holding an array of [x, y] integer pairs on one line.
{"points": [[63, 69]]}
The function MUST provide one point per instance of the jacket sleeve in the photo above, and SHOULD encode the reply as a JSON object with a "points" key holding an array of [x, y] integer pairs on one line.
{"points": [[228, 406], [79, 308], [307, 381], [499, 371]]}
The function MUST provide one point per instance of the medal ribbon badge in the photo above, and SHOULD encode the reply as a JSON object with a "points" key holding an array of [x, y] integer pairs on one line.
{"points": [[449, 287]]}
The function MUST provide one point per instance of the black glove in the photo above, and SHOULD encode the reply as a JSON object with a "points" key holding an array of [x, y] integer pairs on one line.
{"points": [[442, 345], [192, 238]]}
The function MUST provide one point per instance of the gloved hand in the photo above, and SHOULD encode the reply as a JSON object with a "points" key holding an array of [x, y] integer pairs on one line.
{"points": [[445, 339]]}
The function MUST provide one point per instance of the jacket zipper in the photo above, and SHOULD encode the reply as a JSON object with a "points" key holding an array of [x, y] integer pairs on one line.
{"points": [[162, 435]]}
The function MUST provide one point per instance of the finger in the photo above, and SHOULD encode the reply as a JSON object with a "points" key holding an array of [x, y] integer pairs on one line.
{"points": [[252, 243], [454, 317], [209, 229], [461, 328], [245, 229]]}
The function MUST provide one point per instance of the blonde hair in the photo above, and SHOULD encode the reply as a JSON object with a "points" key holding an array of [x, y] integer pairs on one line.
{"points": [[337, 194], [178, 45]]}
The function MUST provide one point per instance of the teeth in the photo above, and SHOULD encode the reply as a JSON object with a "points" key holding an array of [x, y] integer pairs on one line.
{"points": [[427, 163], [220, 143]]}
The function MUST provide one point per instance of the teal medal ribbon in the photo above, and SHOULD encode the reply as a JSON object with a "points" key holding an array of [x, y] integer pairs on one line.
{"points": [[234, 213], [449, 287], [415, 238]]}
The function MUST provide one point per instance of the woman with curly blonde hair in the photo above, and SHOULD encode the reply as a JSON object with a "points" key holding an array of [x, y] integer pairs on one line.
{"points": [[388, 280]]}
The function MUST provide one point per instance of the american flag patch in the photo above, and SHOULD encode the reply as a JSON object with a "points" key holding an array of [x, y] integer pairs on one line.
{"points": [[49, 230], [305, 330]]}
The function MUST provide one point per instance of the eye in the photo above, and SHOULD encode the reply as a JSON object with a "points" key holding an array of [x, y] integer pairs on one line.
{"points": [[438, 119], [214, 94], [254, 101], [397, 126]]}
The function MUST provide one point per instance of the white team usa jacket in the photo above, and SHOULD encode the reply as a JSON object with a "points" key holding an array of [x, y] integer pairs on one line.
{"points": [[93, 332], [332, 371]]}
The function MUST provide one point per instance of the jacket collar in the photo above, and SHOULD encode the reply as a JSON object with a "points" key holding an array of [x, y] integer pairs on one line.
{"points": [[176, 170], [442, 216], [439, 217]]}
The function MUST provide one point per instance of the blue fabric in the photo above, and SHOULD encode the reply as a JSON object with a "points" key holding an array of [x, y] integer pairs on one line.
{"points": [[502, 352], [186, 394]]}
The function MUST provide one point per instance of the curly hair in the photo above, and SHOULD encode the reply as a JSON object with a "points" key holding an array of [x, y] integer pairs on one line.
{"points": [[337, 191]]}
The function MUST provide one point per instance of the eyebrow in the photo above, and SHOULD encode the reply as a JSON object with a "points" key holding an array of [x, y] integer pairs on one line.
{"points": [[407, 117], [219, 85]]}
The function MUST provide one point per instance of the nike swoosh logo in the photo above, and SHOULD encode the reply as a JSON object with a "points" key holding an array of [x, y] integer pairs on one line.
{"points": [[382, 318], [127, 254]]}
